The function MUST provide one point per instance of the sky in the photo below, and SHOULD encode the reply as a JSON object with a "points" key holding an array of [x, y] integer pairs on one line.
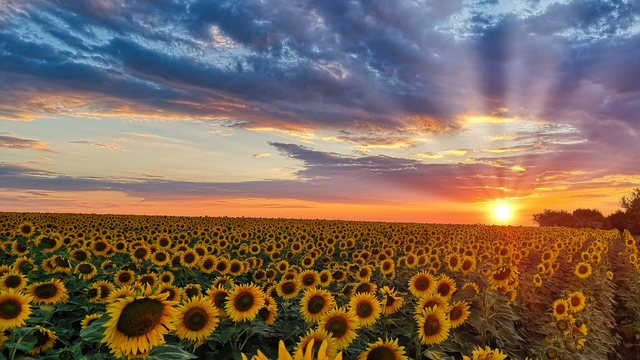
{"points": [[390, 110]]}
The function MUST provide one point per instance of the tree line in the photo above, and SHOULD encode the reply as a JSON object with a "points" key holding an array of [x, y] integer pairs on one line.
{"points": [[626, 218]]}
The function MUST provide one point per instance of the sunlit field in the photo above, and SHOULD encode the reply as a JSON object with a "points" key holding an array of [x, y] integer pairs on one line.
{"points": [[105, 287]]}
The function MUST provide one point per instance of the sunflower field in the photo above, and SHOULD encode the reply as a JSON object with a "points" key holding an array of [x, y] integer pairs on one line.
{"points": [[162, 288]]}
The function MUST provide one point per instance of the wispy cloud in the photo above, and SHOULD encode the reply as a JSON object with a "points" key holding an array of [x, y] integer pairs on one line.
{"points": [[12, 142]]}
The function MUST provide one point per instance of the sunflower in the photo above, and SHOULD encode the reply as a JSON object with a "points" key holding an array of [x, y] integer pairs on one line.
{"points": [[18, 249], [222, 265], [150, 278], [288, 289], [192, 290], [458, 313], [315, 303], [433, 326], [197, 319], [235, 267], [223, 281], [309, 345], [309, 279], [107, 265], [471, 285], [244, 302], [468, 264], [422, 284], [105, 288], [259, 276], [26, 229], [387, 266], [431, 300], [48, 292], [537, 280], [25, 265], [124, 277], [445, 286], [89, 319], [100, 247], [45, 338], [50, 242], [160, 258], [366, 308], [80, 255], [269, 312], [486, 354], [325, 278], [14, 309], [86, 271], [218, 296], [576, 301], [338, 275], [391, 302], [138, 323], [166, 277], [140, 253], [365, 287], [583, 270], [503, 275], [189, 259], [560, 309], [175, 293], [609, 275], [364, 273], [164, 242], [453, 262], [341, 325], [208, 264], [383, 350], [13, 280]]}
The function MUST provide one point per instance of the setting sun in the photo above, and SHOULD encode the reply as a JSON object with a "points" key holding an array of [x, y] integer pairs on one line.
{"points": [[502, 211]]}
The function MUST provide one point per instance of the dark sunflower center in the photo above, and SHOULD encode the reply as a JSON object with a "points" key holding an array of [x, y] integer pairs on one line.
{"points": [[80, 256], [61, 262], [264, 313], [220, 299], [165, 278], [381, 353], [42, 337], [140, 253], [222, 266], [288, 288], [21, 248], [195, 319], [337, 327], [583, 269], [503, 275], [26, 229], [466, 265], [575, 301], [316, 304], [171, 292], [161, 256], [386, 266], [244, 302], [49, 242], [85, 268], [431, 325], [456, 313], [192, 291], [146, 280], [104, 292], [422, 284], [363, 288], [46, 291], [235, 268], [139, 317], [337, 275], [100, 246], [560, 309], [364, 310], [163, 242], [92, 293], [208, 264], [309, 280], [444, 289], [124, 277], [390, 300], [453, 262], [13, 281], [430, 304], [10, 309], [189, 258]]}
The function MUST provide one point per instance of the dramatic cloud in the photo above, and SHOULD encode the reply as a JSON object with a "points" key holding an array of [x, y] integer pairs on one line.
{"points": [[11, 142]]}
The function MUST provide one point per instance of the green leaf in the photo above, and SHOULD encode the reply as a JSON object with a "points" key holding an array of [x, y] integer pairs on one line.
{"points": [[506, 335], [168, 352], [95, 331], [25, 343]]}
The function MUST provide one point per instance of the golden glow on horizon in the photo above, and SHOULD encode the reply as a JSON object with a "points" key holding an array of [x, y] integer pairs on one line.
{"points": [[502, 211]]}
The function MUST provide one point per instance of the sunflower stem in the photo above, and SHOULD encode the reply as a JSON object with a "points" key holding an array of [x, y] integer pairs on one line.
{"points": [[419, 348], [12, 355]]}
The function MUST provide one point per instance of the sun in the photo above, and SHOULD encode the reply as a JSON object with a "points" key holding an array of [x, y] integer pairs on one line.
{"points": [[502, 212]]}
